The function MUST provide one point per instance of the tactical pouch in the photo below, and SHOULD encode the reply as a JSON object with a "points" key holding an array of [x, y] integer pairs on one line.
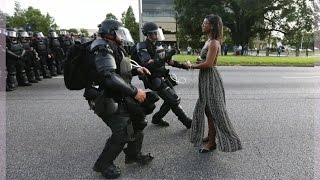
{"points": [[91, 93], [105, 107], [134, 108]]}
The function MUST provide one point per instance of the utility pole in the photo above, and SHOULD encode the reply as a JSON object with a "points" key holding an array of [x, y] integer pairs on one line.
{"points": [[140, 20]]}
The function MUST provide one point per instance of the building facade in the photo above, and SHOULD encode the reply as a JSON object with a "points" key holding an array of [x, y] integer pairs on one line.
{"points": [[162, 13]]}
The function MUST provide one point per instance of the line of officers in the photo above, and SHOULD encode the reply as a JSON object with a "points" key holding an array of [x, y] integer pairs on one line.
{"points": [[30, 56]]}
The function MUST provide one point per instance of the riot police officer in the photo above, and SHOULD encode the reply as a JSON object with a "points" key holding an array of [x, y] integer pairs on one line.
{"points": [[56, 52], [30, 57], [41, 46], [65, 40], [116, 101], [154, 57], [14, 62], [35, 57]]}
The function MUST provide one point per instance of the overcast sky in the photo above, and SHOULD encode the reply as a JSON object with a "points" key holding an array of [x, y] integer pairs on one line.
{"points": [[76, 13]]}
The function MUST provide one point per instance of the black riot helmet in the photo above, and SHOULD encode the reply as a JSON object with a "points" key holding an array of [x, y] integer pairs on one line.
{"points": [[22, 34], [38, 35], [151, 27], [115, 29], [53, 34], [63, 32], [11, 33]]}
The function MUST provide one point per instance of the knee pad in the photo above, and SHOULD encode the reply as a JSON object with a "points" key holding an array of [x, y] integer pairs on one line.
{"points": [[169, 96]]}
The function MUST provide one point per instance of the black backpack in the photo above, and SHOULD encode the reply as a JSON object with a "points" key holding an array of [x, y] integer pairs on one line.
{"points": [[77, 66]]}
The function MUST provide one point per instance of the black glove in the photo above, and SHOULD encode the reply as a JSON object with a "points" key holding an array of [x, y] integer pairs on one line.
{"points": [[169, 53]]}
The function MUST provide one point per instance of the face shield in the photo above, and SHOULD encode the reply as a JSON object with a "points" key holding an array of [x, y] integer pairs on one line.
{"points": [[125, 36], [160, 36], [23, 34], [12, 34], [40, 35], [53, 34], [63, 32]]}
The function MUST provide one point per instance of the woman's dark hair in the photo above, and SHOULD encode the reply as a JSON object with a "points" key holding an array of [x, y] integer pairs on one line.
{"points": [[216, 26]]}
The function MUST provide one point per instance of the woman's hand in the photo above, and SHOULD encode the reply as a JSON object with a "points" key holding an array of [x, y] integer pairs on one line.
{"points": [[199, 60], [187, 64]]}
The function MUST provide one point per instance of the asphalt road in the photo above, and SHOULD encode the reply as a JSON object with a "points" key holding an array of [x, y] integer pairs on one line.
{"points": [[52, 134]]}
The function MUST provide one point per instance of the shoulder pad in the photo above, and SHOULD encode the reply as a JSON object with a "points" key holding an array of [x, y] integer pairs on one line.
{"points": [[99, 44], [141, 45]]}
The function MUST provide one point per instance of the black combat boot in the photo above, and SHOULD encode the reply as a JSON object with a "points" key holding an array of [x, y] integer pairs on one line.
{"points": [[157, 117], [22, 79], [138, 158], [46, 72], [12, 82], [8, 88], [37, 74], [110, 172], [53, 70], [104, 163], [31, 76], [133, 151], [186, 121]]}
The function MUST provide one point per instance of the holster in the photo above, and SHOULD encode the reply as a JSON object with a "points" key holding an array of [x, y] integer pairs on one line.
{"points": [[105, 106]]}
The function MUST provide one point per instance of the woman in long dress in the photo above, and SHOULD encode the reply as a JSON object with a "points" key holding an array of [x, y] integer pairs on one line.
{"points": [[211, 101]]}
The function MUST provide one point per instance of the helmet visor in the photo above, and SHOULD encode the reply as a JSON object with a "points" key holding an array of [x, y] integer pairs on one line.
{"points": [[125, 35], [23, 34], [40, 35], [63, 32], [12, 34], [53, 34], [160, 36]]}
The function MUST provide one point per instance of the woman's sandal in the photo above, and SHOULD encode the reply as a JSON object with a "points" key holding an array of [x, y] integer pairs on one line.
{"points": [[205, 150]]}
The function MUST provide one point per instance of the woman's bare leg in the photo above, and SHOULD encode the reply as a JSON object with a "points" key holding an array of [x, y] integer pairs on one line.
{"points": [[211, 130]]}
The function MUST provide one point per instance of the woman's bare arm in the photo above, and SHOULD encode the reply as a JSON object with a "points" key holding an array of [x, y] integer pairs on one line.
{"points": [[211, 59]]}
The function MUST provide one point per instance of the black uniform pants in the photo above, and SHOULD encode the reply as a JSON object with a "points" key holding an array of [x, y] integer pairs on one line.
{"points": [[123, 131], [170, 101]]}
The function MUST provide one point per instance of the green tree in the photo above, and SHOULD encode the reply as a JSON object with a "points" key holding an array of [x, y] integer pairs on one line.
{"points": [[244, 18], [33, 17], [129, 21], [2, 19], [84, 32], [73, 30], [111, 16]]}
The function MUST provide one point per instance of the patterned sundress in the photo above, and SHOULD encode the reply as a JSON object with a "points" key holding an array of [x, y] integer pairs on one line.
{"points": [[211, 94]]}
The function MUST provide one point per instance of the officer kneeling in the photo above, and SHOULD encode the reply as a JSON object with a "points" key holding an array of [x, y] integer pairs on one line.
{"points": [[119, 104]]}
